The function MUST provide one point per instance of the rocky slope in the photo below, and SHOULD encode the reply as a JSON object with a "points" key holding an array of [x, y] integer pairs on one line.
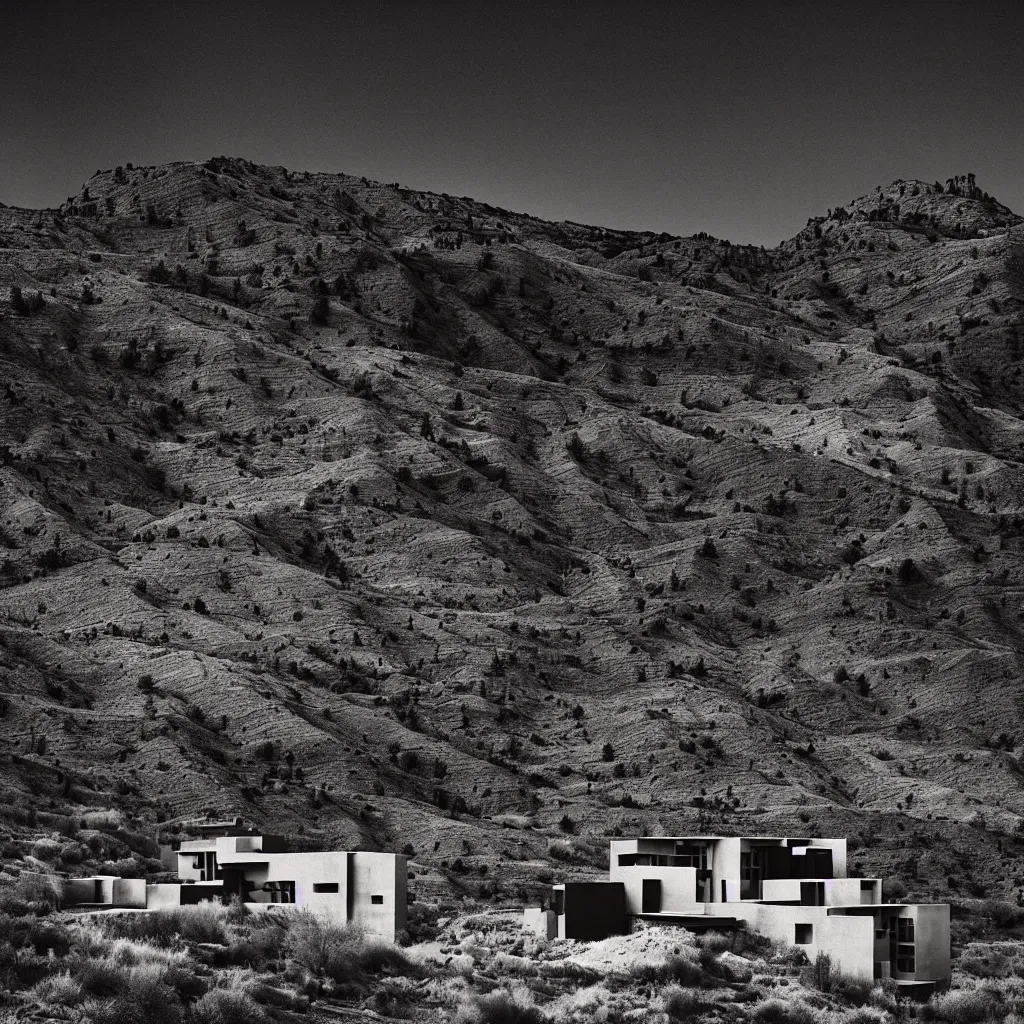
{"points": [[394, 518]]}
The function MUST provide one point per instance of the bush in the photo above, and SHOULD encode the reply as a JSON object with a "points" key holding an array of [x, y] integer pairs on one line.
{"points": [[894, 890], [708, 549], [145, 998], [203, 923], [867, 1015], [321, 311], [265, 940], [907, 572], [57, 990], [778, 1011], [99, 978], [342, 954], [45, 849], [502, 1006], [681, 971], [222, 1006], [961, 1006], [1003, 915], [821, 975], [683, 1004], [38, 890]]}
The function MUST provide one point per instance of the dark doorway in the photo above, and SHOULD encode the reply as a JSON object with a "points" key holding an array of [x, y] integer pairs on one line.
{"points": [[650, 900]]}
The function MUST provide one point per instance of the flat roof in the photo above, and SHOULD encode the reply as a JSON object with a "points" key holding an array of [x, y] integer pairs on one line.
{"points": [[692, 839]]}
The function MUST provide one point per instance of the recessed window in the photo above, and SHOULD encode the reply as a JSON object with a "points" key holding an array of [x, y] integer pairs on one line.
{"points": [[804, 934], [376, 899], [325, 887]]}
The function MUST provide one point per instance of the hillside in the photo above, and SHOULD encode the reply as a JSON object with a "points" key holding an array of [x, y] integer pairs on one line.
{"points": [[389, 517]]}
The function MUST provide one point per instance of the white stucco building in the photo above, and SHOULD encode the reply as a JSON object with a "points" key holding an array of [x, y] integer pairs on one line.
{"points": [[793, 890], [235, 862]]}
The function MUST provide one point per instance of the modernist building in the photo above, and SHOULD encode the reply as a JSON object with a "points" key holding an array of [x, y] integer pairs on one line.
{"points": [[232, 861], [793, 890]]}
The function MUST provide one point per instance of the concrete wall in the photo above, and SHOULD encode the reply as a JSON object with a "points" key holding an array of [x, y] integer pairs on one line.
{"points": [[839, 892], [623, 846], [931, 938], [725, 866], [849, 941], [94, 889], [678, 887], [781, 890], [845, 892], [359, 877], [106, 890], [381, 874], [542, 923], [163, 895], [129, 892], [186, 853]]}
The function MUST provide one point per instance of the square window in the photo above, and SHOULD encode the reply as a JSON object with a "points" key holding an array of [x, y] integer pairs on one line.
{"points": [[804, 934], [376, 899], [325, 887]]}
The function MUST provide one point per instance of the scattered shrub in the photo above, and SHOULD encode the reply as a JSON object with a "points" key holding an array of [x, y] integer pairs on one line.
{"points": [[778, 1011], [961, 1006], [683, 1003], [341, 954], [223, 1006], [202, 923], [503, 1006]]}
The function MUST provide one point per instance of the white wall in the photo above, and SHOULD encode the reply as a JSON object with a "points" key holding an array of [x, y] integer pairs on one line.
{"points": [[678, 887], [846, 892], [838, 848], [163, 895], [931, 937], [543, 923], [725, 865], [849, 941], [383, 874], [129, 892], [358, 876]]}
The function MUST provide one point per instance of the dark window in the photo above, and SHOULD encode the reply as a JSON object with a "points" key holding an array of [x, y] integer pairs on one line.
{"points": [[804, 934], [376, 899], [650, 899], [558, 901], [280, 892], [905, 964], [325, 887]]}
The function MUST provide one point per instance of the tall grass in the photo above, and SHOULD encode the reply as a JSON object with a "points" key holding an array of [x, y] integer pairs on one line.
{"points": [[201, 923], [343, 954]]}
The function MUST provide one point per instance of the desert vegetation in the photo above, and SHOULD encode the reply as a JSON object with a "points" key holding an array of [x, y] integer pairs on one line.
{"points": [[228, 965]]}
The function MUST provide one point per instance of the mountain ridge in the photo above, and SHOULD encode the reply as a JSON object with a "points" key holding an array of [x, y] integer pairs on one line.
{"points": [[495, 532]]}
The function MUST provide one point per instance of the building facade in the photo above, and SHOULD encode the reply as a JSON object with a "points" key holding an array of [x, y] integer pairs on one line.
{"points": [[232, 862], [792, 890]]}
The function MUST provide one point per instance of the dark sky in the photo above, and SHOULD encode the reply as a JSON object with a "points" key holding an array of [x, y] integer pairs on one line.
{"points": [[738, 119]]}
